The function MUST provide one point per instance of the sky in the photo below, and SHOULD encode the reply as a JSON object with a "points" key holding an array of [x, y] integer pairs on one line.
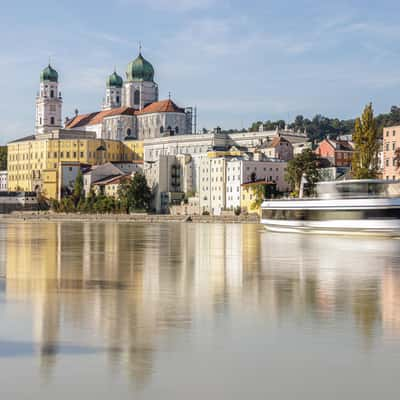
{"points": [[237, 61]]}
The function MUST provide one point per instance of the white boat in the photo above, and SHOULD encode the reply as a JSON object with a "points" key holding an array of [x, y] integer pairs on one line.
{"points": [[342, 207]]}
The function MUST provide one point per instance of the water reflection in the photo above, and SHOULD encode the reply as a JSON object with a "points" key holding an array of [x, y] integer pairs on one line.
{"points": [[134, 290]]}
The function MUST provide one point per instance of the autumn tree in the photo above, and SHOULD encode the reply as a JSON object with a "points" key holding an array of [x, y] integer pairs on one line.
{"points": [[366, 146]]}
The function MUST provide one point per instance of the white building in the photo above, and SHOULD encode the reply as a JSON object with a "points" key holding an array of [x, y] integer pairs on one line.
{"points": [[132, 109], [221, 180], [3, 181], [166, 178], [240, 171]]}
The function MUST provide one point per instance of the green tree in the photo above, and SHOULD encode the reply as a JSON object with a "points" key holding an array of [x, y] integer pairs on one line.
{"points": [[123, 196], [78, 194], [139, 195], [259, 192], [3, 158], [366, 146], [305, 164]]}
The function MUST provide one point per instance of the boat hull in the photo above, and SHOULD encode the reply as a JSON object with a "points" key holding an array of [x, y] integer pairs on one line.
{"points": [[336, 217]]}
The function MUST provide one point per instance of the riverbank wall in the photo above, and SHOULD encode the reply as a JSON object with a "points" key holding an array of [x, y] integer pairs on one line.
{"points": [[144, 218]]}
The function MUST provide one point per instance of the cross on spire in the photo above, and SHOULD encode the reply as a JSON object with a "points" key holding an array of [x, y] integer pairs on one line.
{"points": [[169, 95], [140, 47]]}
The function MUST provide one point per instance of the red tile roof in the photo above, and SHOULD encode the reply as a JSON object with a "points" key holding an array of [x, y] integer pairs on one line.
{"points": [[97, 117], [163, 106]]}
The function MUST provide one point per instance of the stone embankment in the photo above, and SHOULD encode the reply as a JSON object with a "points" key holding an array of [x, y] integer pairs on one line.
{"points": [[145, 218]]}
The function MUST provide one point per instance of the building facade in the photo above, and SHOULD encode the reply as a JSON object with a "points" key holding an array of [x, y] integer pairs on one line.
{"points": [[339, 153], [132, 110], [391, 149], [221, 180], [3, 181]]}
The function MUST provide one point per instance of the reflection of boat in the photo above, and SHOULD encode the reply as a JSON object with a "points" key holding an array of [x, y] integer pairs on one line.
{"points": [[352, 207]]}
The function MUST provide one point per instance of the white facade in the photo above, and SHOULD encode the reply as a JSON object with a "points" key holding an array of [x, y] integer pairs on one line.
{"points": [[3, 181], [48, 107], [221, 180], [245, 171], [119, 127], [156, 125], [139, 94], [212, 191], [165, 178], [113, 98]]}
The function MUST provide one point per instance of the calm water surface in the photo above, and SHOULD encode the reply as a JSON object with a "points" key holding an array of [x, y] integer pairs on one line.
{"points": [[187, 311]]}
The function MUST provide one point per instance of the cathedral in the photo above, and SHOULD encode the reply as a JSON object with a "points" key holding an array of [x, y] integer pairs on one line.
{"points": [[131, 108]]}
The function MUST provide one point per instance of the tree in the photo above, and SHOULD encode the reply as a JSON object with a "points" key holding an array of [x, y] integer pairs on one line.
{"points": [[305, 164], [366, 146], [139, 195], [3, 158], [78, 194], [259, 193]]}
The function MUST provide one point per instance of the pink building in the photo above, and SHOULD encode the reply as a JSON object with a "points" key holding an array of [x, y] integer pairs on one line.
{"points": [[391, 142]]}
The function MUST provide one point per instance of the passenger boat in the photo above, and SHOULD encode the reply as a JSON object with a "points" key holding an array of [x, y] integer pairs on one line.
{"points": [[340, 207]]}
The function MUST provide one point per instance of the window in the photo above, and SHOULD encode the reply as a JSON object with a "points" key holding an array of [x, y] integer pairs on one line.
{"points": [[117, 99], [81, 154], [52, 120], [74, 154], [161, 129], [136, 97], [387, 134], [51, 93], [68, 155], [176, 129], [387, 146], [394, 146], [394, 133], [128, 132]]}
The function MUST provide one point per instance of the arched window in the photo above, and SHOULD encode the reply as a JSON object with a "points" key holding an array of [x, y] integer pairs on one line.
{"points": [[52, 120], [40, 121], [128, 132], [136, 97], [177, 129], [117, 99], [161, 129], [51, 93]]}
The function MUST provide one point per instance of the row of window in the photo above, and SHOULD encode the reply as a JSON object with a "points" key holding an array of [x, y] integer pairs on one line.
{"points": [[388, 133], [387, 146], [394, 162]]}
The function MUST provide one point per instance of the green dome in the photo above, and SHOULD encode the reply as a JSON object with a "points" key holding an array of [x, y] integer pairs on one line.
{"points": [[49, 74], [114, 80], [140, 70]]}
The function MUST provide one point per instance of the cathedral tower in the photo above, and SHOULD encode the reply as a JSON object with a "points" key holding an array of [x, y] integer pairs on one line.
{"points": [[113, 97], [140, 88], [48, 102]]}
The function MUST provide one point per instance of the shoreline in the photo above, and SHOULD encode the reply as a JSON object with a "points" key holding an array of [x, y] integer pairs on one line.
{"points": [[135, 218]]}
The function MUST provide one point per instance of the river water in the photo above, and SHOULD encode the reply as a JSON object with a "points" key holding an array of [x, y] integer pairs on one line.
{"points": [[195, 311]]}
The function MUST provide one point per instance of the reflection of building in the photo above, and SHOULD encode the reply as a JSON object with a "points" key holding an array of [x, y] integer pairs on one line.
{"points": [[127, 289], [391, 301]]}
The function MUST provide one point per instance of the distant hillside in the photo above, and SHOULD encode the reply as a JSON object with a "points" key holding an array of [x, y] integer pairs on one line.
{"points": [[320, 127], [3, 158]]}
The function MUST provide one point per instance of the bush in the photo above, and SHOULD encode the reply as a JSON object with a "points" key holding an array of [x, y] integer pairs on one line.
{"points": [[238, 211], [205, 213]]}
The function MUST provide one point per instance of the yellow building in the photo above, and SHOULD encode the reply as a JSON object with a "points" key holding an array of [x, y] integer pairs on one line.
{"points": [[34, 161]]}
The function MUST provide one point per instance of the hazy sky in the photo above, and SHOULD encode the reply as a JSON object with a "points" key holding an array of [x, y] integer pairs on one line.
{"points": [[237, 61]]}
